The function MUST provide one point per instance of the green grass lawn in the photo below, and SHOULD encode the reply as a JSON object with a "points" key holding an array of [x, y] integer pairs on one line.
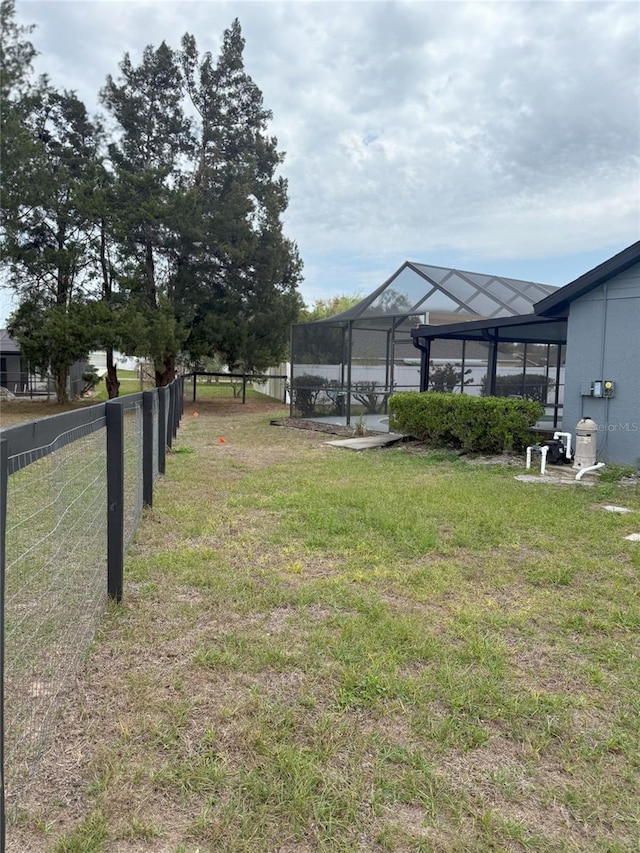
{"points": [[205, 389], [130, 383], [18, 411], [321, 650]]}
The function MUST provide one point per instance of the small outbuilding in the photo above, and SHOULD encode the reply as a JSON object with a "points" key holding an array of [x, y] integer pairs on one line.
{"points": [[20, 380], [14, 375]]}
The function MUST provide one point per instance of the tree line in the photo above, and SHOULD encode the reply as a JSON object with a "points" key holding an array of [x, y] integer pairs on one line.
{"points": [[154, 229]]}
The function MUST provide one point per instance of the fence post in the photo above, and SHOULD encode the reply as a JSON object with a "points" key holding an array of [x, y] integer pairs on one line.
{"points": [[4, 477], [162, 429], [169, 426], [115, 498], [176, 409], [147, 447], [195, 379], [172, 415]]}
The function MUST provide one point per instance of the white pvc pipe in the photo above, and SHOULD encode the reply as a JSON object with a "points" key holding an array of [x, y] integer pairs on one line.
{"points": [[543, 464], [543, 453], [567, 435], [529, 449], [590, 468]]}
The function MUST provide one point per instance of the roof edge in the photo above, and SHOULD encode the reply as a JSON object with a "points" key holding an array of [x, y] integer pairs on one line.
{"points": [[559, 301], [429, 331]]}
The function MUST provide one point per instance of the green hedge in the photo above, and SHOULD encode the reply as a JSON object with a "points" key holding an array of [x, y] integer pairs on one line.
{"points": [[475, 424]]}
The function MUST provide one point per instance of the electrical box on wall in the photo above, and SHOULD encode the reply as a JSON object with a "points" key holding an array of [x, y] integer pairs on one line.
{"points": [[603, 388]]}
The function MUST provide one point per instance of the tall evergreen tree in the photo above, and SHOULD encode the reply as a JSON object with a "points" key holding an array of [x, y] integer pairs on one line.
{"points": [[153, 141], [110, 313], [49, 166], [17, 147], [47, 232], [239, 285], [174, 245]]}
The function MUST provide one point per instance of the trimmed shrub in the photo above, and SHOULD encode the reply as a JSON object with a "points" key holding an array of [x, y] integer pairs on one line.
{"points": [[530, 386], [446, 377], [474, 424], [369, 396], [306, 390]]}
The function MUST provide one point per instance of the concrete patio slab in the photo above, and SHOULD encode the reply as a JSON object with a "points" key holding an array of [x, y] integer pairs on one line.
{"points": [[554, 480], [367, 442]]}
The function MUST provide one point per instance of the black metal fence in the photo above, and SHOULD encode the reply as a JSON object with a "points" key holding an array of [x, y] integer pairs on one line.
{"points": [[72, 489]]}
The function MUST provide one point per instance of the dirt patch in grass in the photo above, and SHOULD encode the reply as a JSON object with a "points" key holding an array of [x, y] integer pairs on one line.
{"points": [[15, 412], [234, 407], [509, 460]]}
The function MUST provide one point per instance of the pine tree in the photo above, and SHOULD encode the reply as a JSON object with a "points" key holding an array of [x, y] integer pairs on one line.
{"points": [[207, 269], [110, 308], [239, 286], [47, 232], [154, 139], [16, 144]]}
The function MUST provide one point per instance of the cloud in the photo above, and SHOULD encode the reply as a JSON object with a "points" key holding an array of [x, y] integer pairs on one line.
{"points": [[491, 129]]}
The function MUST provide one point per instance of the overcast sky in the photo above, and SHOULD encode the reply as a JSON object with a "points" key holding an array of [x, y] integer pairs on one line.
{"points": [[498, 137]]}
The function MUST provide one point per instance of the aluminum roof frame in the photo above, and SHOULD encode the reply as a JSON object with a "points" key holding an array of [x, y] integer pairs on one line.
{"points": [[549, 322], [526, 328], [512, 290], [501, 290]]}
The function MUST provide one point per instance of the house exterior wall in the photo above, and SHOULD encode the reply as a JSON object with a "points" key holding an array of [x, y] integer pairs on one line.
{"points": [[603, 342], [16, 378], [12, 376]]}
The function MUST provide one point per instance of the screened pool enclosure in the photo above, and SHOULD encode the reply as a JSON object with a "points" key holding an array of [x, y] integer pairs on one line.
{"points": [[344, 368]]}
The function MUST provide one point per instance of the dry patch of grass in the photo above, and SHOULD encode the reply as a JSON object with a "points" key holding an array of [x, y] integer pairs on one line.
{"points": [[14, 412], [325, 651]]}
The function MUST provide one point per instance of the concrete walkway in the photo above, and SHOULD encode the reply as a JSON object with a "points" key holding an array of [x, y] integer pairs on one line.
{"points": [[367, 442]]}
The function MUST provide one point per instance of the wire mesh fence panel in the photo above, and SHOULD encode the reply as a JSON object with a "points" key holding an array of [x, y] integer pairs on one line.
{"points": [[55, 590], [57, 561], [133, 483]]}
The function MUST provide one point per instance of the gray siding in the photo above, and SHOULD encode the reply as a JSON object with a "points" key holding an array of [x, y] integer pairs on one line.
{"points": [[603, 342], [12, 376]]}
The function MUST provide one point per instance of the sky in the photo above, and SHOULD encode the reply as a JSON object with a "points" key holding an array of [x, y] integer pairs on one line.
{"points": [[496, 137]]}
